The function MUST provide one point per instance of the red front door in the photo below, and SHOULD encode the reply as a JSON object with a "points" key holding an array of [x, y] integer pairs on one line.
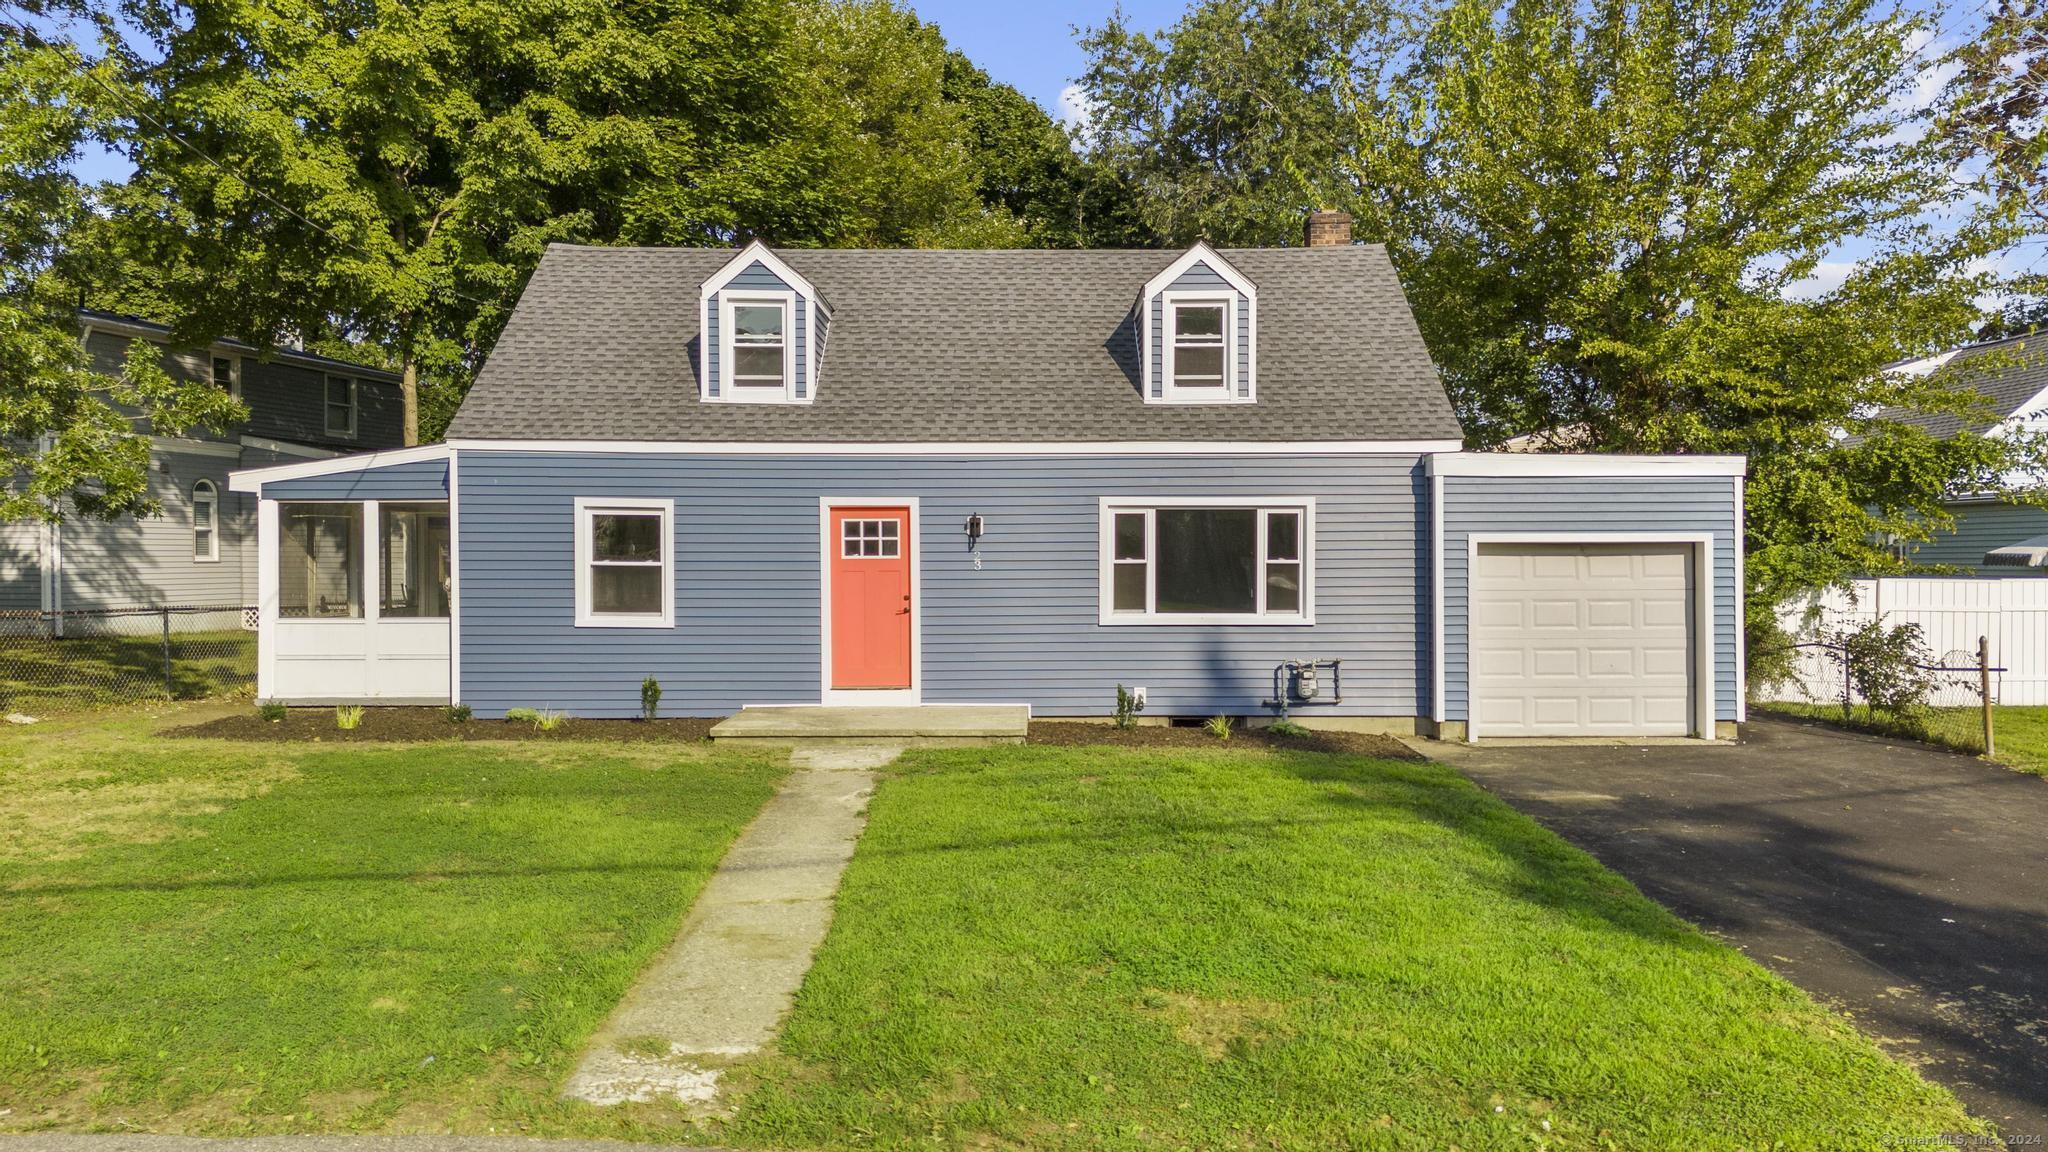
{"points": [[870, 555]]}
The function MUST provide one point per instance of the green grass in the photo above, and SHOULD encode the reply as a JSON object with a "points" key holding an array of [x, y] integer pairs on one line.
{"points": [[1057, 948], [2021, 734], [1959, 728], [41, 674], [203, 936]]}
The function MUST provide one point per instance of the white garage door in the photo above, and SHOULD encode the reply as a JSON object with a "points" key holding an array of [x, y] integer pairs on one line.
{"points": [[1582, 640]]}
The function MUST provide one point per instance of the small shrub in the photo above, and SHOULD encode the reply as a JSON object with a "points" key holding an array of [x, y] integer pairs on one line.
{"points": [[271, 710], [522, 716], [548, 719], [457, 713], [1287, 728], [348, 717], [1886, 666], [1218, 726], [1127, 707], [650, 697]]}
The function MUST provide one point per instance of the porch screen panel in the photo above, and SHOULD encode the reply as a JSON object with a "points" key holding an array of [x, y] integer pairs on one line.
{"points": [[319, 569]]}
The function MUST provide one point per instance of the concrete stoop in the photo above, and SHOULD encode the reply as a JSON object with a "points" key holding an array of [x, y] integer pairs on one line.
{"points": [[927, 725], [720, 990]]}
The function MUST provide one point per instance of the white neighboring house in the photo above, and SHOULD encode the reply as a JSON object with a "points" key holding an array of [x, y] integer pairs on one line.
{"points": [[201, 550]]}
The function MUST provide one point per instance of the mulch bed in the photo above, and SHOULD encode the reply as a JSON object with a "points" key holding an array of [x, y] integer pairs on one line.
{"points": [[419, 725], [1070, 732], [416, 725]]}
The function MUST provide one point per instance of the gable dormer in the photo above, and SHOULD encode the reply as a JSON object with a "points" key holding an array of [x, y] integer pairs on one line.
{"points": [[1199, 324], [763, 332]]}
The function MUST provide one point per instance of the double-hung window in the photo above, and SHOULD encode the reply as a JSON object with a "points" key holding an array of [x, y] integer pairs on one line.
{"points": [[341, 406], [227, 375], [1207, 562], [625, 563], [759, 347], [1199, 349]]}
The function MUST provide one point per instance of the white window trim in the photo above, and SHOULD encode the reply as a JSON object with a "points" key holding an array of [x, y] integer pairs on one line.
{"points": [[1106, 560], [590, 506], [1152, 351], [1169, 393], [727, 392], [355, 397], [212, 503]]}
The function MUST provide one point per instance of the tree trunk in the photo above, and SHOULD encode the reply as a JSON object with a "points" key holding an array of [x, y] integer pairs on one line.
{"points": [[409, 387]]}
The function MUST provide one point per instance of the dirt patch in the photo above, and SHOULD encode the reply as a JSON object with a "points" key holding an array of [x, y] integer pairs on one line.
{"points": [[1215, 1026], [57, 812], [418, 725], [1072, 732]]}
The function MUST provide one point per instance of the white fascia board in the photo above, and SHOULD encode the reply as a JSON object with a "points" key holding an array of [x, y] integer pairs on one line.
{"points": [[195, 447], [969, 448], [740, 263], [253, 479], [1201, 253], [1528, 464]]}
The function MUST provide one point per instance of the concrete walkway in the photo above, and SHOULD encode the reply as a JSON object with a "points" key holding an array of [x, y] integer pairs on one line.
{"points": [[1904, 884], [721, 989]]}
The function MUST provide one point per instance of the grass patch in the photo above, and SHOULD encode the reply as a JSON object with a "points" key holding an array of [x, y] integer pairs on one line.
{"points": [[2021, 734], [206, 936], [1959, 728], [39, 674], [1067, 948]]}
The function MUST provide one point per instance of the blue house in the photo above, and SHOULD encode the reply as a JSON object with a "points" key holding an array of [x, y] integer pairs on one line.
{"points": [[1230, 480]]}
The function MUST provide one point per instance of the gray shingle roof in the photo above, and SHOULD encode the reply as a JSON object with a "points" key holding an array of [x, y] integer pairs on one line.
{"points": [[955, 346], [2015, 372]]}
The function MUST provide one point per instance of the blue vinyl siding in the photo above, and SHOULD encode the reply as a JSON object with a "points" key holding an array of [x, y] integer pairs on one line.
{"points": [[757, 278], [1201, 278], [1023, 627], [1687, 506], [417, 480]]}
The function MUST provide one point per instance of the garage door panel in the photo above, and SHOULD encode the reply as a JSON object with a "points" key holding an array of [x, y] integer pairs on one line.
{"points": [[1592, 639]]}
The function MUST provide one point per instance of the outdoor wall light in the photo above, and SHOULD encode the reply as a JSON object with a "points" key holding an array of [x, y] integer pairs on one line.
{"points": [[973, 529]]}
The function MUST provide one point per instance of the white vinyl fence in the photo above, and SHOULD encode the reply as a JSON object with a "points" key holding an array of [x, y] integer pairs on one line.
{"points": [[2010, 611]]}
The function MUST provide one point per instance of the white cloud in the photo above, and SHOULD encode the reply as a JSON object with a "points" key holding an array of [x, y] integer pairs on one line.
{"points": [[1077, 115], [1825, 278]]}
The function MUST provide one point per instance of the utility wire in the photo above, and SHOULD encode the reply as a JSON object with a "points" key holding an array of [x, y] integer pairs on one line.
{"points": [[84, 68]]}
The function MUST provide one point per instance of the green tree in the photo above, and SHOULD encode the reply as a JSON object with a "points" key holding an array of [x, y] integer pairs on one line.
{"points": [[2000, 102], [73, 441], [1605, 216]]}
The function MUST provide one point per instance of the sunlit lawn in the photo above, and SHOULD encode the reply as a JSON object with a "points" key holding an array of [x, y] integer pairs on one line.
{"points": [[217, 937]]}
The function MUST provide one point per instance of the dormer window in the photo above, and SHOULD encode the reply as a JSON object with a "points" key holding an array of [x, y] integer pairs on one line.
{"points": [[1198, 332], [1198, 345], [763, 332], [760, 344]]}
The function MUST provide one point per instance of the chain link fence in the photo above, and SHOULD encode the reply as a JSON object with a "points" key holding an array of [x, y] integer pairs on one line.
{"points": [[96, 658], [1947, 700]]}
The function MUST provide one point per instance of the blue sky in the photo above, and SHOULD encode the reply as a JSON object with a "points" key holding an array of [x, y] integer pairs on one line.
{"points": [[1030, 46]]}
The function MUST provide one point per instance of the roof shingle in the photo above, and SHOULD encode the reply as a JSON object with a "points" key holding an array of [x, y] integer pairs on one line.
{"points": [[967, 346]]}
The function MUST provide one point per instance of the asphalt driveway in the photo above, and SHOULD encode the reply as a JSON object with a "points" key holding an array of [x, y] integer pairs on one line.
{"points": [[1905, 885]]}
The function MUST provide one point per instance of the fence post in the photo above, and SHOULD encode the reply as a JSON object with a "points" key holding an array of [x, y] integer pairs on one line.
{"points": [[1984, 687], [169, 692], [1848, 695]]}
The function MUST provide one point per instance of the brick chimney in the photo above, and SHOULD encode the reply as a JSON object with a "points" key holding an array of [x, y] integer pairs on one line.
{"points": [[1329, 229]]}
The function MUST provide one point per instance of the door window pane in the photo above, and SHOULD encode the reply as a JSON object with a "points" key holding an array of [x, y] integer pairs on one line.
{"points": [[319, 574], [1208, 560], [414, 561]]}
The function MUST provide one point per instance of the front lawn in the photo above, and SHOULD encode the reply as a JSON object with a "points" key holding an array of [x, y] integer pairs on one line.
{"points": [[1057, 948], [42, 673], [2021, 734], [204, 936]]}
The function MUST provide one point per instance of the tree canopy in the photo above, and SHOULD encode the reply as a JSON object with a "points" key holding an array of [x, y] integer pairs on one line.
{"points": [[1608, 217]]}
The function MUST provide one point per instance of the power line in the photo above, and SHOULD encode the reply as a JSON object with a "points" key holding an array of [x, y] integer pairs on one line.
{"points": [[84, 68]]}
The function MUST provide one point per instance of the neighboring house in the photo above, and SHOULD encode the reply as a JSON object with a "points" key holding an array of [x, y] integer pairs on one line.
{"points": [[201, 549], [1991, 536], [896, 477]]}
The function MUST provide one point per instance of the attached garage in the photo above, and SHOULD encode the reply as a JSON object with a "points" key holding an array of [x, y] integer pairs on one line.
{"points": [[1595, 596], [1584, 639]]}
